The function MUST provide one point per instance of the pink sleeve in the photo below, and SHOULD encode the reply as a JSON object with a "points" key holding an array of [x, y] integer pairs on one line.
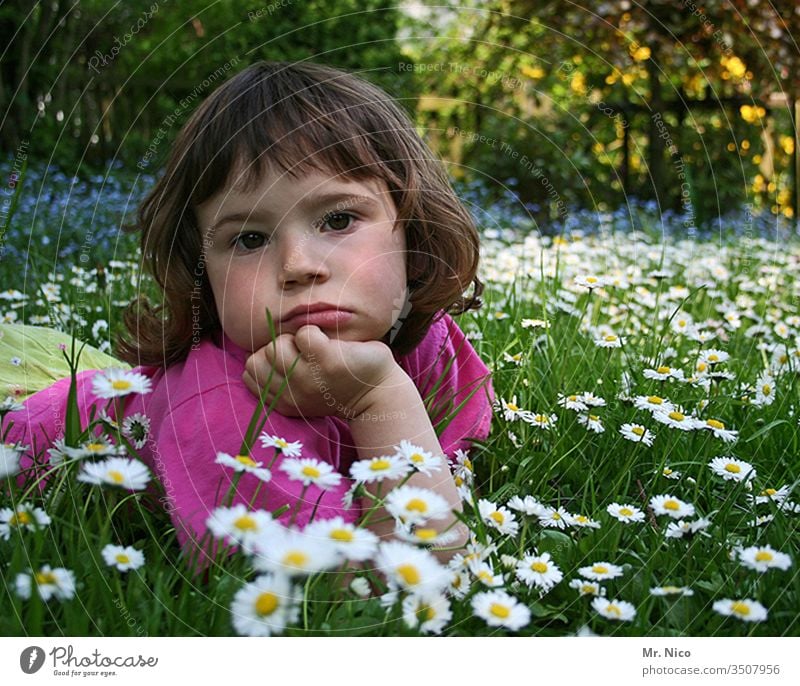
{"points": [[454, 383]]}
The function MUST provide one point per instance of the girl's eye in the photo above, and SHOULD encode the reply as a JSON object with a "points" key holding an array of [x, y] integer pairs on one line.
{"points": [[339, 221], [250, 240]]}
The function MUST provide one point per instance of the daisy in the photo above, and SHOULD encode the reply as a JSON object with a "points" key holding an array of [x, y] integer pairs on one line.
{"points": [[572, 402], [414, 570], [553, 518], [424, 535], [239, 524], [652, 403], [669, 473], [429, 615], [291, 552], [683, 528], [527, 505], [542, 421], [637, 433], [58, 583], [618, 610], [773, 495], [676, 419], [126, 473], [600, 571], [281, 445], [609, 340], [459, 584], [747, 610], [413, 505], [498, 518], [713, 356], [498, 608], [731, 469], [484, 573], [765, 390], [380, 468], [116, 383], [592, 400], [590, 281], [511, 411], [669, 505], [535, 323], [421, 460], [309, 471], [9, 459], [123, 558], [352, 542], [515, 359], [10, 405], [539, 571], [136, 429], [592, 423], [762, 558], [360, 586], [265, 607], [718, 429], [584, 522], [25, 516], [671, 590], [98, 446], [663, 373], [244, 463], [625, 513], [587, 587]]}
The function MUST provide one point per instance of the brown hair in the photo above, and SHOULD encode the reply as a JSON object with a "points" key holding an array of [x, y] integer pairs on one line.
{"points": [[293, 117]]}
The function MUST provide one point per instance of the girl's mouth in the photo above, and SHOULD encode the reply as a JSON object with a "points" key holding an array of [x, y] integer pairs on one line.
{"points": [[330, 319]]}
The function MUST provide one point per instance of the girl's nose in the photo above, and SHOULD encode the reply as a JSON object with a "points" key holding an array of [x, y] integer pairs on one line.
{"points": [[301, 260]]}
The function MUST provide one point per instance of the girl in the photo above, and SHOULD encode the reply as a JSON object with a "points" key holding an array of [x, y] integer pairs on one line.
{"points": [[304, 193]]}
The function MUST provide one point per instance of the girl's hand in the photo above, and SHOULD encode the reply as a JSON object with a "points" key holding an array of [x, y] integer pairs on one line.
{"points": [[331, 377]]}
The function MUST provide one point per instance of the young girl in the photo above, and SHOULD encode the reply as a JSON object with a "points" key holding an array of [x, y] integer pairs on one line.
{"points": [[304, 192]]}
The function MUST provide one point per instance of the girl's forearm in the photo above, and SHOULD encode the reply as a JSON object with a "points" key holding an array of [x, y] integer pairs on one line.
{"points": [[395, 412]]}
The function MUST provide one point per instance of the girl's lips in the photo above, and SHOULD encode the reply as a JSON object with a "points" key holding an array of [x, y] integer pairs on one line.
{"points": [[330, 319]]}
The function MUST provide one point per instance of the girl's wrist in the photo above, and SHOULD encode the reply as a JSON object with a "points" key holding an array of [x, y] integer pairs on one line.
{"points": [[386, 400]]}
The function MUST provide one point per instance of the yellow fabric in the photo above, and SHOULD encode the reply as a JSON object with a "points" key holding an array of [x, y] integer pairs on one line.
{"points": [[30, 359]]}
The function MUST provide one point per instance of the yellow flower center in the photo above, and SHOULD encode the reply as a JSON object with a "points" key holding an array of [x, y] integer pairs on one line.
{"points": [[426, 534], [672, 505], [512, 407], [43, 578], [416, 457], [766, 389], [713, 358], [246, 460], [121, 385], [587, 588], [266, 604], [613, 610], [500, 611], [498, 517], [342, 535], [95, 447], [594, 418], [115, 476], [380, 465], [701, 366], [740, 608], [468, 464], [670, 589], [677, 416], [311, 472], [768, 491], [591, 279], [611, 338], [282, 443], [21, 518], [663, 370], [539, 567], [667, 471], [654, 400], [715, 424], [246, 523], [541, 419], [626, 511], [417, 505], [295, 558], [409, 574], [556, 516], [638, 430], [600, 569], [764, 556], [459, 481], [733, 468], [122, 558], [485, 576]]}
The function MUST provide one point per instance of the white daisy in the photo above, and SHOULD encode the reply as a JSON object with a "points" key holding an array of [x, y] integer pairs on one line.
{"points": [[239, 524], [10, 405], [380, 468], [587, 587], [592, 422], [498, 608], [663, 373], [669, 505], [413, 505], [600, 571], [625, 513], [126, 473], [618, 610], [498, 518], [291, 552], [97, 446], [671, 590], [9, 459], [584, 522], [352, 542], [765, 390], [718, 429], [572, 402], [511, 410], [421, 460], [265, 606], [309, 471], [58, 583], [414, 570], [677, 419], [669, 473], [732, 469], [747, 610], [539, 571], [590, 281], [592, 400], [281, 445], [484, 572], [459, 584], [773, 495], [555, 518], [527, 505], [24, 516], [713, 356], [424, 535], [653, 403], [429, 615], [124, 558], [244, 463], [136, 429], [116, 383], [637, 433], [541, 421], [683, 528], [762, 558], [609, 340], [516, 358]]}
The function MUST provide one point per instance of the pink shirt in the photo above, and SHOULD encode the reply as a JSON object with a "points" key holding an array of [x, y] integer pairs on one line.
{"points": [[200, 407]]}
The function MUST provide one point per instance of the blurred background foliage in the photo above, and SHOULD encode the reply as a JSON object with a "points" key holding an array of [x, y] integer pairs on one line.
{"points": [[687, 103]]}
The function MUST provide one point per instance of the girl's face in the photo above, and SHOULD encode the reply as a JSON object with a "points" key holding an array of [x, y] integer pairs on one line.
{"points": [[317, 242]]}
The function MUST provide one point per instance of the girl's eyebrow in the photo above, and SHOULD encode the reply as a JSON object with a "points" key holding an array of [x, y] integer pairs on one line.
{"points": [[313, 203]]}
